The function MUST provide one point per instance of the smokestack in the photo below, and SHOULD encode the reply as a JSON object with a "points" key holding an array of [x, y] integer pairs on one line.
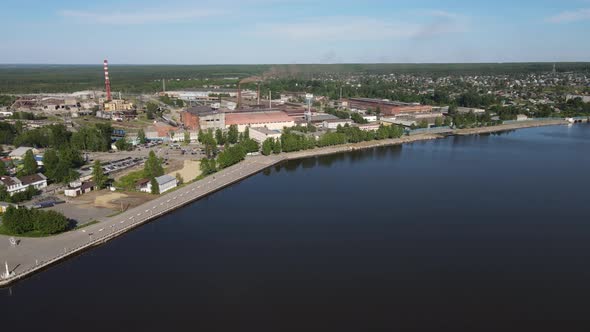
{"points": [[239, 95], [107, 82], [258, 95]]}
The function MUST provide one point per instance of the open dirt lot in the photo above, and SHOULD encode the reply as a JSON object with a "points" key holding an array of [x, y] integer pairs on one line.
{"points": [[189, 171]]}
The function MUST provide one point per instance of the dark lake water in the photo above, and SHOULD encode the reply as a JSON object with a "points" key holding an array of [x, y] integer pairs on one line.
{"points": [[478, 233]]}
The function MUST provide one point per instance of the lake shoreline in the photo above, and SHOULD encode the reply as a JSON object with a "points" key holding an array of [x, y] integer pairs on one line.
{"points": [[37, 254]]}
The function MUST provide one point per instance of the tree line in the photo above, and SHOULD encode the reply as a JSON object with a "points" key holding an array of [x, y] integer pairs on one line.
{"points": [[22, 220], [292, 141], [235, 148]]}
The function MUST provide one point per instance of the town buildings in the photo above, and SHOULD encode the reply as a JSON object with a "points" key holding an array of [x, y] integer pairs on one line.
{"points": [[19, 184]]}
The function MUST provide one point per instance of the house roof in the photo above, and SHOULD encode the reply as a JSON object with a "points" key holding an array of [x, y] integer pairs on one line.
{"points": [[202, 110], [9, 180], [33, 178], [87, 185], [165, 179], [142, 182], [19, 152]]}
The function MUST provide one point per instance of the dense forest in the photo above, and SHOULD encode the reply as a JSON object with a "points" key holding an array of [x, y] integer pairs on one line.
{"points": [[147, 78]]}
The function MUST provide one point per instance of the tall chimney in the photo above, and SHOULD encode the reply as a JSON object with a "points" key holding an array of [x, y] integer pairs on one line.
{"points": [[107, 82]]}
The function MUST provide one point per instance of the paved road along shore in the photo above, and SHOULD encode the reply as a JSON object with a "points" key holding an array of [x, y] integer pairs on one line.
{"points": [[34, 254]]}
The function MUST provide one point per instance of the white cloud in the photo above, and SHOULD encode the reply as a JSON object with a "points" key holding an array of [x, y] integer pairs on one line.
{"points": [[360, 28], [140, 17], [571, 16]]}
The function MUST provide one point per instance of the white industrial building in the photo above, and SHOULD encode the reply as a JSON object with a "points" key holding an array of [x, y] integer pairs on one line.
{"points": [[260, 134], [333, 124]]}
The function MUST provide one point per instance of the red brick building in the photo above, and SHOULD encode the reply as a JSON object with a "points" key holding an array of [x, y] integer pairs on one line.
{"points": [[202, 118], [386, 107]]}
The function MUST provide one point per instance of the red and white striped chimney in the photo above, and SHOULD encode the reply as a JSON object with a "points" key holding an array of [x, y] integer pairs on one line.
{"points": [[107, 82]]}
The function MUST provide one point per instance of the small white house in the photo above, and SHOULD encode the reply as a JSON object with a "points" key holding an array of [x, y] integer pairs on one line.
{"points": [[370, 118], [78, 188], [521, 117], [165, 183]]}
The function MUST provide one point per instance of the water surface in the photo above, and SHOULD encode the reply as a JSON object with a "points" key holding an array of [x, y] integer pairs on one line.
{"points": [[477, 233]]}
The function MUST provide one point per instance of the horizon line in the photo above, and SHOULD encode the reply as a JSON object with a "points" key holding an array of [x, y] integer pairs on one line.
{"points": [[291, 64]]}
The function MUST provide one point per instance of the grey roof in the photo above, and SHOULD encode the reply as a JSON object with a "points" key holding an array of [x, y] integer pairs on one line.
{"points": [[323, 117], [20, 151], [165, 179], [202, 110], [265, 130]]}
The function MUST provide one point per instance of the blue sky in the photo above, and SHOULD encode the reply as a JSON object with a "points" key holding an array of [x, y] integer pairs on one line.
{"points": [[293, 31]]}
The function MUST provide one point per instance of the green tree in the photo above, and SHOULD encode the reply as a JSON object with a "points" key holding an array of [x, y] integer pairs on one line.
{"points": [[50, 163], [277, 148], [187, 138], [29, 164], [17, 221], [23, 220], [246, 133], [267, 146], [448, 121], [155, 186], [153, 166], [208, 166], [49, 222], [219, 137], [4, 195], [3, 170], [179, 179], [357, 118], [141, 136], [438, 122], [250, 145], [98, 174], [232, 134], [123, 145]]}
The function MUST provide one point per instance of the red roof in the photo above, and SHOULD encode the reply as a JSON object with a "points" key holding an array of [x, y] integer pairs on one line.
{"points": [[246, 118]]}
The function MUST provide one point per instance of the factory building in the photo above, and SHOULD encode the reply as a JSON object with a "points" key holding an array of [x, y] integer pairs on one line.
{"points": [[117, 105], [386, 107], [202, 118], [273, 120]]}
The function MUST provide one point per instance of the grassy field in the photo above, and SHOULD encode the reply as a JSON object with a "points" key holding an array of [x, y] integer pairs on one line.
{"points": [[147, 78]]}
